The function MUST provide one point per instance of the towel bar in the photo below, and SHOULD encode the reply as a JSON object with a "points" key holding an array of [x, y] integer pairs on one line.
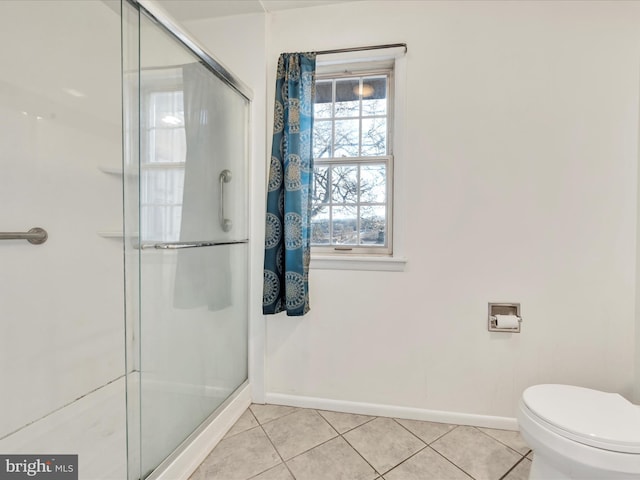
{"points": [[35, 236], [176, 245]]}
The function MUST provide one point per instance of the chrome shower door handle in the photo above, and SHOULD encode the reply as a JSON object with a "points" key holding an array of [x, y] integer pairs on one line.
{"points": [[225, 223]]}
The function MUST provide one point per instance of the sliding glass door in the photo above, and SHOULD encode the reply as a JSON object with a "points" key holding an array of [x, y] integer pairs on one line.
{"points": [[186, 178]]}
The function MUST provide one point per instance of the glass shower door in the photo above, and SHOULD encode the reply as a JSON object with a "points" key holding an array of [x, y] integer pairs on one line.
{"points": [[191, 244]]}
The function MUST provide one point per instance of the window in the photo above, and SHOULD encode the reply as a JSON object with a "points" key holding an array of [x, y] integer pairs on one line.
{"points": [[162, 162], [353, 163]]}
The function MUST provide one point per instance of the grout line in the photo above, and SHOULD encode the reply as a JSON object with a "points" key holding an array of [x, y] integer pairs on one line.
{"points": [[432, 441], [309, 449], [364, 423], [426, 445], [321, 443], [501, 442], [296, 409], [406, 459], [277, 452], [253, 414], [355, 449], [360, 455], [457, 466], [226, 436], [402, 426], [370, 419], [446, 433], [512, 468], [375, 469]]}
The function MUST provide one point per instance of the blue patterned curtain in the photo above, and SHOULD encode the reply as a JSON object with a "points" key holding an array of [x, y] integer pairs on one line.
{"points": [[287, 250]]}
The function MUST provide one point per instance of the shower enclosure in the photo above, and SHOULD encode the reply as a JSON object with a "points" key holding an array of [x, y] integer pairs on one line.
{"points": [[125, 331]]}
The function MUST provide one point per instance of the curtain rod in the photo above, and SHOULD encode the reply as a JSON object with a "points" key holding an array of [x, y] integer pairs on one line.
{"points": [[358, 49]]}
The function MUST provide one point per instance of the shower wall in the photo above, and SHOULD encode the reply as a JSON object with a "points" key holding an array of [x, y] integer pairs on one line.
{"points": [[60, 138]]}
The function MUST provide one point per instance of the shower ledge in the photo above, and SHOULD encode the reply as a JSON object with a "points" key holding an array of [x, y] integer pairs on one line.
{"points": [[111, 233]]}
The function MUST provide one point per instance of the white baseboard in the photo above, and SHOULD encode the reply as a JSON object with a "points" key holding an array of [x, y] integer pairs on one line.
{"points": [[380, 410], [181, 465]]}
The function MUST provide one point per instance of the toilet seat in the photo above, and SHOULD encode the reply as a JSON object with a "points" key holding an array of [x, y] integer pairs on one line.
{"points": [[598, 419]]}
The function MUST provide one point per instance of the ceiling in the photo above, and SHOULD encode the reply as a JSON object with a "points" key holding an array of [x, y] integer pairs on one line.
{"points": [[184, 10]]}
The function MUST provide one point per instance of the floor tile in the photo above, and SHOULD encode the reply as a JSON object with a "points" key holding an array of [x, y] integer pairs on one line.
{"points": [[281, 472], [334, 460], [343, 422], [426, 465], [383, 443], [478, 454], [510, 438], [308, 440], [521, 472], [427, 431], [240, 457], [246, 422], [298, 432], [266, 413]]}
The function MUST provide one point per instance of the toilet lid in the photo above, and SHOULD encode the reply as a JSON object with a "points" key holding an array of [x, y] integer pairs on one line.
{"points": [[602, 420]]}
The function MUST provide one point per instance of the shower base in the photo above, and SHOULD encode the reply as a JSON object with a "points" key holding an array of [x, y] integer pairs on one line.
{"points": [[93, 427]]}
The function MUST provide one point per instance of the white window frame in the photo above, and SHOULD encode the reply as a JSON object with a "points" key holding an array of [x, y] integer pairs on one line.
{"points": [[361, 258], [387, 160]]}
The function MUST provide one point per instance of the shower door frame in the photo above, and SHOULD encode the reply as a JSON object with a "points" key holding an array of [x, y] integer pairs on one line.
{"points": [[187, 456]]}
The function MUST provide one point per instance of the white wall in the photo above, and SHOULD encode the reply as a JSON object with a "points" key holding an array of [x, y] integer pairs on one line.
{"points": [[518, 181]]}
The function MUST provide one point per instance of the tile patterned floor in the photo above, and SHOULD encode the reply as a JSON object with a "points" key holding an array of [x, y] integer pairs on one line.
{"points": [[271, 442]]}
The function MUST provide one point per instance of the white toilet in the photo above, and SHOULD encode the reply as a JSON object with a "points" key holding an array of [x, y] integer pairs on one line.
{"points": [[580, 433]]}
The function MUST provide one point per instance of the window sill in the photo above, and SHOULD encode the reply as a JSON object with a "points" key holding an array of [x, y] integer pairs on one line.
{"points": [[382, 264]]}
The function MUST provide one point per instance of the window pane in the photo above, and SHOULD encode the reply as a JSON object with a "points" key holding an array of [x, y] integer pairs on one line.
{"points": [[374, 136], [346, 141], [345, 225], [323, 91], [373, 224], [162, 186], [320, 226], [344, 184], [166, 109], [322, 110], [347, 98], [349, 205], [167, 145], [374, 96], [160, 223], [320, 185], [373, 183], [324, 102], [322, 139]]}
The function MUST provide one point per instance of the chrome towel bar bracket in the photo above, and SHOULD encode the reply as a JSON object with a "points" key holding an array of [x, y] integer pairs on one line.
{"points": [[35, 236]]}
